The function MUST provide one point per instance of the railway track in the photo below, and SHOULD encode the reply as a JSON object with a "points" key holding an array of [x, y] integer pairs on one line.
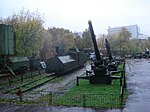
{"points": [[40, 84], [30, 85], [11, 81]]}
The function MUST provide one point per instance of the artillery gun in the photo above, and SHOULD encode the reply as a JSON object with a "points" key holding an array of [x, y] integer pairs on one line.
{"points": [[101, 69], [111, 63], [101, 75]]}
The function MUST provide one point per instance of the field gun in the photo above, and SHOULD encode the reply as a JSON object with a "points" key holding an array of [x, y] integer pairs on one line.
{"points": [[101, 69], [111, 64]]}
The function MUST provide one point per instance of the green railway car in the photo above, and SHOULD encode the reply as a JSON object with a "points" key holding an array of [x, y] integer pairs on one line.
{"points": [[62, 64], [19, 64], [7, 40]]}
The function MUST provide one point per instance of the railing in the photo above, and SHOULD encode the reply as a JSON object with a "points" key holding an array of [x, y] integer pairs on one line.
{"points": [[89, 100], [40, 97], [58, 98], [123, 83], [21, 78]]}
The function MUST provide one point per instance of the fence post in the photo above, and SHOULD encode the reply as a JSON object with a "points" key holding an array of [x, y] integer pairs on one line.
{"points": [[21, 78], [123, 84], [31, 75], [84, 100], [77, 81], [121, 79], [9, 80], [39, 72], [19, 94], [122, 95], [50, 98], [124, 77]]}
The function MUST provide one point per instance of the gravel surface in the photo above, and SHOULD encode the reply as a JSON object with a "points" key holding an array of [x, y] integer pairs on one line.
{"points": [[62, 81], [31, 108]]}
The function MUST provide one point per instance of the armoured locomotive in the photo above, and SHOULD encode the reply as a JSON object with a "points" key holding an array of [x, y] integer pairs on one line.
{"points": [[62, 64]]}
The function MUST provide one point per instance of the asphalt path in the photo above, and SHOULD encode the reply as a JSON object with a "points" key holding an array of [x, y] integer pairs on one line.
{"points": [[138, 85]]}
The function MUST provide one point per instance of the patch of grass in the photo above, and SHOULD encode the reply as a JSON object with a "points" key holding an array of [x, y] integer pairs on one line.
{"points": [[88, 95], [120, 66], [97, 95], [86, 88]]}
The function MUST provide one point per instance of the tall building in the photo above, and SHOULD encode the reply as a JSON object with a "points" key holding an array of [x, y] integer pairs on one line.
{"points": [[133, 29]]}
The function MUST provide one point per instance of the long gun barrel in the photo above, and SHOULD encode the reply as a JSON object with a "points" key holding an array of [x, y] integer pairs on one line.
{"points": [[108, 50], [98, 57]]}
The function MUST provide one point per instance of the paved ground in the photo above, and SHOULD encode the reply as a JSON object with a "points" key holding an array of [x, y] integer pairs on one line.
{"points": [[24, 108], [138, 84]]}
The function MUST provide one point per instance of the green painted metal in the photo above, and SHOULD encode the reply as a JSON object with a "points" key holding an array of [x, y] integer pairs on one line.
{"points": [[7, 40], [18, 62]]}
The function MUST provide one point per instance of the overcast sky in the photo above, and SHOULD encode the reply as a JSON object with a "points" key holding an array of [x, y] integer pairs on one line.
{"points": [[74, 14]]}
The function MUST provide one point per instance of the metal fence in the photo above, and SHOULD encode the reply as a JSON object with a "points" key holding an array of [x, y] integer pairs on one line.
{"points": [[40, 97], [59, 98], [89, 100]]}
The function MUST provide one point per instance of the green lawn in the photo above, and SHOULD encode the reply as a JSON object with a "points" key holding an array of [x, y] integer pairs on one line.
{"points": [[104, 96], [90, 95], [85, 87]]}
